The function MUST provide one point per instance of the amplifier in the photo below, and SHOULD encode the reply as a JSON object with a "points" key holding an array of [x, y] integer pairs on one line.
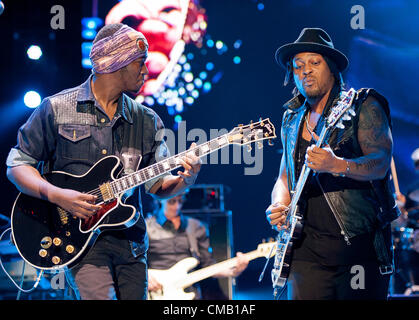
{"points": [[204, 198]]}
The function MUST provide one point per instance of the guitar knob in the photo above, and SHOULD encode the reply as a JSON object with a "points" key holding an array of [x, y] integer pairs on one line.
{"points": [[46, 242], [43, 253], [69, 248], [57, 242], [56, 260]]}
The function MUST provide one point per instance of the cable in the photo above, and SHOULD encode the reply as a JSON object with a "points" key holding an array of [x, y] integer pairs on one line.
{"points": [[11, 279]]}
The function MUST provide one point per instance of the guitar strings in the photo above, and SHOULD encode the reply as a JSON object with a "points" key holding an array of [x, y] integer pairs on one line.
{"points": [[195, 151]]}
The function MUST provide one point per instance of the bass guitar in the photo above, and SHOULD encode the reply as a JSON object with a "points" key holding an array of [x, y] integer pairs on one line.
{"points": [[48, 237]]}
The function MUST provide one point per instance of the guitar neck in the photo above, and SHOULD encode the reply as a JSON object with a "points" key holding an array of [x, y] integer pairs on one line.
{"points": [[121, 185], [305, 171], [212, 270]]}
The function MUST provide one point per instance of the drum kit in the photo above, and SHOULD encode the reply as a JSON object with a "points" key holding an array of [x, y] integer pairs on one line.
{"points": [[405, 230]]}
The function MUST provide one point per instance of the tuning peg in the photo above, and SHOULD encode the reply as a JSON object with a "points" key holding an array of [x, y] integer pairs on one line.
{"points": [[249, 148], [251, 124], [240, 125], [260, 145], [270, 142], [346, 117], [340, 125]]}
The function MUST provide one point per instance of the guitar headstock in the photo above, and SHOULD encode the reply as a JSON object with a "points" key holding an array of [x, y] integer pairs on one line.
{"points": [[265, 249], [343, 110], [253, 132]]}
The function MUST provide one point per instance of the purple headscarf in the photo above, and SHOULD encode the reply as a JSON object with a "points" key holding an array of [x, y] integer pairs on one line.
{"points": [[118, 50]]}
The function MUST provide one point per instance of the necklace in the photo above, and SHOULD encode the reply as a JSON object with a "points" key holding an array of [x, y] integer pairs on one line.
{"points": [[310, 129]]}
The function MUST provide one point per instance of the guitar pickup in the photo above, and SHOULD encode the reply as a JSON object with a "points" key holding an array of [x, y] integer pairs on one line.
{"points": [[106, 192]]}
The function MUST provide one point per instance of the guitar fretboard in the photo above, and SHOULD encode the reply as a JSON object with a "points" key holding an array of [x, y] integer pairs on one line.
{"points": [[137, 178]]}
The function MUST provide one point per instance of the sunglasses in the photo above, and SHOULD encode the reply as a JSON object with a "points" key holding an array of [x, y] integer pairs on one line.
{"points": [[174, 200]]}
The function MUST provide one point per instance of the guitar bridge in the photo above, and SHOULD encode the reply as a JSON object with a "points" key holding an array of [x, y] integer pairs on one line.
{"points": [[106, 192]]}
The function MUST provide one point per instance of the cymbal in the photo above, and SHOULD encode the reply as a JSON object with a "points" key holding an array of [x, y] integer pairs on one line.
{"points": [[414, 195]]}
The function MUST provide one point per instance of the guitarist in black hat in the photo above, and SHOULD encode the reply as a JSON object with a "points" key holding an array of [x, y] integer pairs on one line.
{"points": [[345, 248]]}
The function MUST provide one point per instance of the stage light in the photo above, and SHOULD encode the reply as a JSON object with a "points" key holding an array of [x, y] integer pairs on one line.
{"points": [[237, 44], [34, 52], [188, 77], [187, 67], [198, 82], [203, 75], [182, 59], [149, 100], [190, 87], [219, 44], [181, 91], [85, 51], [178, 118], [210, 66], [179, 107], [207, 86], [91, 22], [86, 63], [237, 59], [189, 100], [261, 6], [32, 99], [88, 34], [210, 43], [195, 94]]}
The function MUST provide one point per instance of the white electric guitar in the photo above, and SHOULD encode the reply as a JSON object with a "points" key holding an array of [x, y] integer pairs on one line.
{"points": [[177, 278]]}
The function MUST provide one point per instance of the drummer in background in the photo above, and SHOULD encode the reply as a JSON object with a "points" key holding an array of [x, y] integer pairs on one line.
{"points": [[406, 237], [409, 205]]}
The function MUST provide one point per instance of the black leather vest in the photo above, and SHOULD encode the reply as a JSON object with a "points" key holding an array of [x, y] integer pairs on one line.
{"points": [[359, 207]]}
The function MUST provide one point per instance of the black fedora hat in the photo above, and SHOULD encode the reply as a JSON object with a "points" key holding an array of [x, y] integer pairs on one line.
{"points": [[311, 40]]}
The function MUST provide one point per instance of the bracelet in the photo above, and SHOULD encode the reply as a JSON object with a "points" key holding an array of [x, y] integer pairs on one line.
{"points": [[346, 170], [343, 174]]}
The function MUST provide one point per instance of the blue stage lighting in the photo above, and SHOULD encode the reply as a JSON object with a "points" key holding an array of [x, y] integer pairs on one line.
{"points": [[91, 23], [34, 52], [210, 66], [88, 34], [237, 59], [32, 99], [207, 86], [203, 75], [86, 63]]}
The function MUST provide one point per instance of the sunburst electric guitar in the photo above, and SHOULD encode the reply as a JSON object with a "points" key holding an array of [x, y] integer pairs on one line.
{"points": [[342, 110], [177, 278], [48, 237]]}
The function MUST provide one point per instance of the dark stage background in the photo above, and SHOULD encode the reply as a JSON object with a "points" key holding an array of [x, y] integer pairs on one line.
{"points": [[385, 55]]}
